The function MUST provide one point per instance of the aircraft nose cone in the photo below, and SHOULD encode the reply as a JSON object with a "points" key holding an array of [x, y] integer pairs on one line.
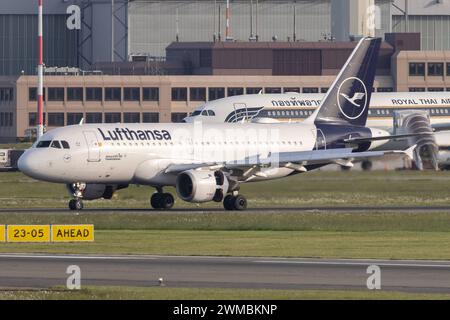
{"points": [[26, 164]]}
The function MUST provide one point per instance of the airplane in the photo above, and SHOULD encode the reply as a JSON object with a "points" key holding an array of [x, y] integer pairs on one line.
{"points": [[296, 107], [209, 162]]}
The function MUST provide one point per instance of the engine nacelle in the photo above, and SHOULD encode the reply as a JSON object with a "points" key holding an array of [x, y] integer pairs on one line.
{"points": [[201, 186], [91, 191]]}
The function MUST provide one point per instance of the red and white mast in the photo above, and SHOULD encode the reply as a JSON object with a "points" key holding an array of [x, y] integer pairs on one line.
{"points": [[40, 89], [227, 29]]}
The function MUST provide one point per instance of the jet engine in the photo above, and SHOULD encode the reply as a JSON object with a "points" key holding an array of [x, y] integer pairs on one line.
{"points": [[201, 186], [93, 191]]}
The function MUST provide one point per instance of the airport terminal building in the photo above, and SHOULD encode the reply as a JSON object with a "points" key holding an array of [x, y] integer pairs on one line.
{"points": [[156, 61]]}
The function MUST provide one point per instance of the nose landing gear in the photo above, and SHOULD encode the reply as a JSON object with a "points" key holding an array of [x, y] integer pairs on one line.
{"points": [[76, 204], [77, 191]]}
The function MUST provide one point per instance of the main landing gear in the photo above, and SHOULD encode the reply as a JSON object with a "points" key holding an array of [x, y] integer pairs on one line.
{"points": [[235, 202], [162, 201]]}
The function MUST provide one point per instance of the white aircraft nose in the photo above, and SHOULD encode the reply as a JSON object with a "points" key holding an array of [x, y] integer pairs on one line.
{"points": [[26, 164]]}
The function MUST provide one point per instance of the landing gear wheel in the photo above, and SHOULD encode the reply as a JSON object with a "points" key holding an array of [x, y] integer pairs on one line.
{"points": [[163, 201], [76, 204], [155, 200], [166, 202], [228, 202], [240, 203], [366, 165]]}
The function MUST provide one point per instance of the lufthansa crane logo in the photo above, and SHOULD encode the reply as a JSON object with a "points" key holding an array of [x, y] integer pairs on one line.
{"points": [[352, 98]]}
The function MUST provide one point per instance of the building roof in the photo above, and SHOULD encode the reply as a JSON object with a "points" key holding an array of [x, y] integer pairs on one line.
{"points": [[319, 45]]}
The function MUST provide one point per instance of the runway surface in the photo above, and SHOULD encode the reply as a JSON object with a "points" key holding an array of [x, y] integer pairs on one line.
{"points": [[355, 209], [43, 271]]}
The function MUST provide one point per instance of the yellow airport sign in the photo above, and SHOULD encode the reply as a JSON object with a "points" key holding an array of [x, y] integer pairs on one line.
{"points": [[28, 233], [72, 233], [2, 233]]}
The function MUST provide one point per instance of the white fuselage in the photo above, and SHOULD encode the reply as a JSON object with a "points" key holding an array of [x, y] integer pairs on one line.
{"points": [[297, 107], [140, 153]]}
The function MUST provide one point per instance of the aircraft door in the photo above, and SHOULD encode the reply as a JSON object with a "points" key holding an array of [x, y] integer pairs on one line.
{"points": [[93, 146]]}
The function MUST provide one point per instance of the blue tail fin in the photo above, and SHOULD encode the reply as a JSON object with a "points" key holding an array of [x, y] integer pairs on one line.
{"points": [[347, 100]]}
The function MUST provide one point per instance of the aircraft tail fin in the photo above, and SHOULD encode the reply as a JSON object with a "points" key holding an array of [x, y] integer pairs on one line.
{"points": [[347, 100]]}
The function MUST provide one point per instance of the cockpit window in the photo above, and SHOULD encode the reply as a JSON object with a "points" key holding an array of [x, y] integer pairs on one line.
{"points": [[211, 113], [43, 144], [55, 144], [196, 113], [204, 113], [65, 144]]}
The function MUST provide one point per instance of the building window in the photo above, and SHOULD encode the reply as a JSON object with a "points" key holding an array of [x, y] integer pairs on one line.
{"points": [[435, 89], [179, 94], [197, 94], [131, 94], [272, 90], [6, 94], [55, 94], [32, 94], [150, 117], [324, 90], [448, 69], [296, 89], [235, 92], [113, 94], [178, 116], [435, 69], [310, 90], [150, 94], [55, 119], [93, 117], [32, 119], [6, 119], [113, 117], [385, 89], [253, 90], [74, 94], [94, 94], [216, 93], [416, 89], [131, 117], [74, 118], [417, 69]]}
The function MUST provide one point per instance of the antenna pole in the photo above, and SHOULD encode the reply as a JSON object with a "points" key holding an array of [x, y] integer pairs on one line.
{"points": [[40, 89]]}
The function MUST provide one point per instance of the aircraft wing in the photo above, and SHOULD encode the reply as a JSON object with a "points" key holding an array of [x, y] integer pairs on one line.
{"points": [[289, 159], [441, 127], [313, 157]]}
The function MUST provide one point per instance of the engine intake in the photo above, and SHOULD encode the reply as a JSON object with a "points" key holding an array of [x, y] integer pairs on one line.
{"points": [[201, 186]]}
